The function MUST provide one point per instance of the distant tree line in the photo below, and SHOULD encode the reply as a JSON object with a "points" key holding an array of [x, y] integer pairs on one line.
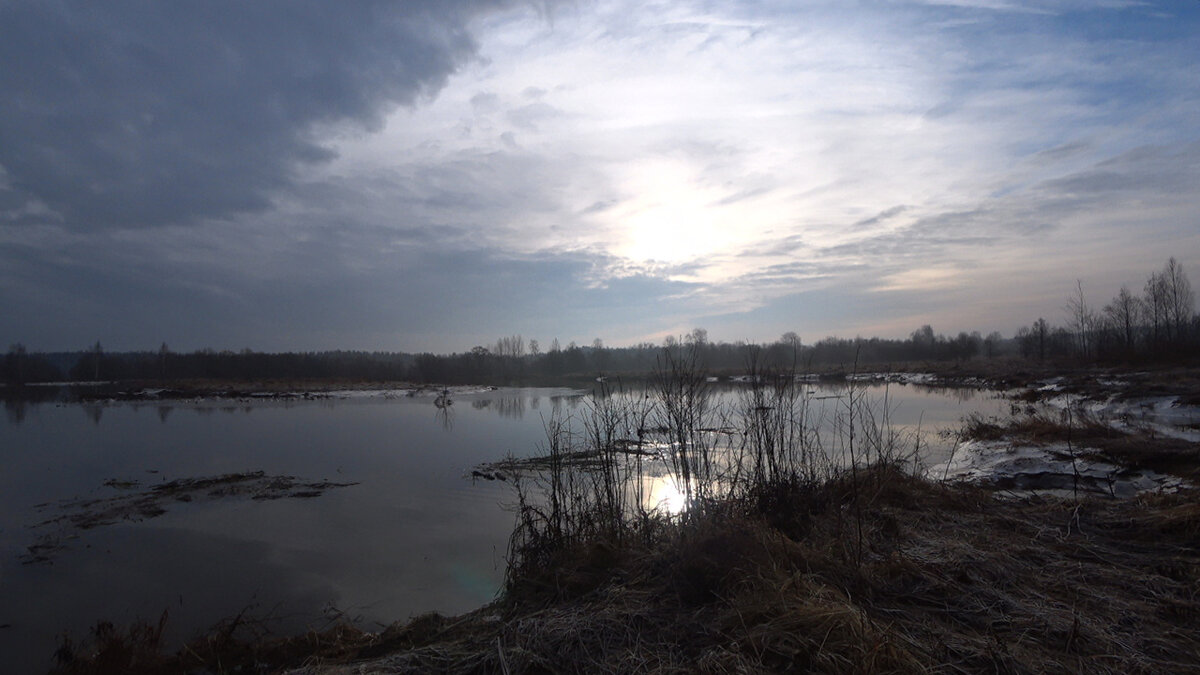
{"points": [[164, 365], [509, 361], [1160, 323]]}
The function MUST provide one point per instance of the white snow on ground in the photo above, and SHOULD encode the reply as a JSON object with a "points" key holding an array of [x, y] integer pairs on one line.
{"points": [[1159, 415], [1053, 384], [926, 379], [1041, 469]]}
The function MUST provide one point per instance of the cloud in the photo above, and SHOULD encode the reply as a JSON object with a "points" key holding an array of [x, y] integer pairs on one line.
{"points": [[1154, 168], [130, 114], [882, 216], [284, 176], [485, 102], [530, 117]]}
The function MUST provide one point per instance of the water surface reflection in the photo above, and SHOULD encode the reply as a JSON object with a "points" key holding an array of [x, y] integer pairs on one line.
{"points": [[414, 535]]}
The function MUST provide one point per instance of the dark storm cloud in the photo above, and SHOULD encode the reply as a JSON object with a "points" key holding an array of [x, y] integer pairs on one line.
{"points": [[141, 113]]}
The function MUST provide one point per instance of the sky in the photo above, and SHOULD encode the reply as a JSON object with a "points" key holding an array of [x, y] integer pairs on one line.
{"points": [[430, 175]]}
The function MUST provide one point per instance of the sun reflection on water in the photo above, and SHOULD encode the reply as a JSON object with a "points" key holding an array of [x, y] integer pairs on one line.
{"points": [[664, 495]]}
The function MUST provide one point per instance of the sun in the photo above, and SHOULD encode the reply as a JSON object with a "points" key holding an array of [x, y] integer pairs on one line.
{"points": [[670, 217], [666, 496]]}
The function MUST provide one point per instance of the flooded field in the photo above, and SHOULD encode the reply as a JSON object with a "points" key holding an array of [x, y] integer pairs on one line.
{"points": [[298, 511]]}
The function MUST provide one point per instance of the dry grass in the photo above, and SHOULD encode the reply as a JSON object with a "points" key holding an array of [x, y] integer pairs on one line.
{"points": [[951, 580], [947, 580]]}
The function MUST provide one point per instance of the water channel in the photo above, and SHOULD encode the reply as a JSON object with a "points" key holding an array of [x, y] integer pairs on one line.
{"points": [[414, 533]]}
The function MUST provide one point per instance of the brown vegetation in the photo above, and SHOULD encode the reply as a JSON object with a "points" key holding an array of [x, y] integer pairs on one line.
{"points": [[947, 580], [791, 556]]}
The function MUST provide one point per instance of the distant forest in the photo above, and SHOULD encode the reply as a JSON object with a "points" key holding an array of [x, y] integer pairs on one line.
{"points": [[1158, 324]]}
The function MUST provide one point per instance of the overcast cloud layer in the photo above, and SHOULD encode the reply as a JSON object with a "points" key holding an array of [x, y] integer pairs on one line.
{"points": [[433, 175]]}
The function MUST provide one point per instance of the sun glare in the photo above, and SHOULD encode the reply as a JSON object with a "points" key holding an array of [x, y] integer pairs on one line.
{"points": [[670, 217], [664, 494]]}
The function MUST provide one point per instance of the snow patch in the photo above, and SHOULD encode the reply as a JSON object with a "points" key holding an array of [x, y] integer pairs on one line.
{"points": [[1161, 415], [1049, 468]]}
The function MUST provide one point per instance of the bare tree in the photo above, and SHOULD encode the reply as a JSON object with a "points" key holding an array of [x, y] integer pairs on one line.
{"points": [[15, 362], [97, 352], [991, 344], [599, 354], [1041, 336], [1083, 320], [1156, 309], [512, 346], [163, 352], [1125, 313], [1180, 301]]}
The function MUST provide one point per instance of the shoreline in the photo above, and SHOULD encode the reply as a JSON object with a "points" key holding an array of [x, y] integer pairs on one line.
{"points": [[1075, 581]]}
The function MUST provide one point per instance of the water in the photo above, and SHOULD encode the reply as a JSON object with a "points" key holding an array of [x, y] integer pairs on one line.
{"points": [[416, 534]]}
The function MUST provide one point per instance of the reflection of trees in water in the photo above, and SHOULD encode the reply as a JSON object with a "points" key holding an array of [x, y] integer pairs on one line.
{"points": [[445, 416], [94, 413], [571, 400], [535, 402], [959, 394], [513, 407], [508, 406], [164, 411], [15, 409]]}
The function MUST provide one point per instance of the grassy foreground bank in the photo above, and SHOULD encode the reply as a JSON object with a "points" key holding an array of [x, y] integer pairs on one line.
{"points": [[924, 578]]}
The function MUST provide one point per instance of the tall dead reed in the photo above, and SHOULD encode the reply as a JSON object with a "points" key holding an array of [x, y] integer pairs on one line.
{"points": [[759, 451]]}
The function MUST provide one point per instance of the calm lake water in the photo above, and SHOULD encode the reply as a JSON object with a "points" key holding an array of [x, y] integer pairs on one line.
{"points": [[416, 534]]}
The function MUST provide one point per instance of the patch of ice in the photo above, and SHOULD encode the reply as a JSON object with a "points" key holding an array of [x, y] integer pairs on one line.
{"points": [[1027, 468], [1161, 415]]}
